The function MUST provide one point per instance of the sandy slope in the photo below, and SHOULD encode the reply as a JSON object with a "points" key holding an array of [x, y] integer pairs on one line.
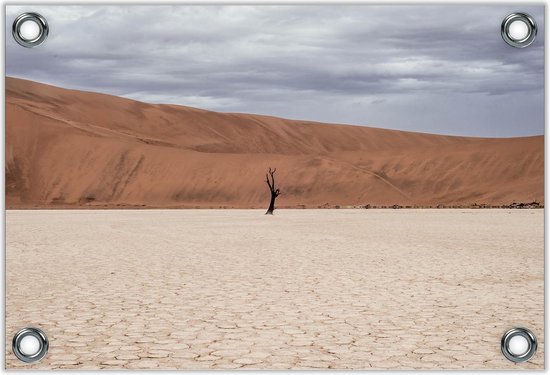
{"points": [[74, 148]]}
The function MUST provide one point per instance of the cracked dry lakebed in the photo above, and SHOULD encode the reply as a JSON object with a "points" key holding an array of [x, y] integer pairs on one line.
{"points": [[302, 289]]}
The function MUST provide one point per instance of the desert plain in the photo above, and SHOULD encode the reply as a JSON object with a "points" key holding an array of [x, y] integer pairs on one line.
{"points": [[303, 289]]}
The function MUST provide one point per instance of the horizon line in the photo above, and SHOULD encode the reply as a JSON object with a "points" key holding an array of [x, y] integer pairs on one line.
{"points": [[88, 91]]}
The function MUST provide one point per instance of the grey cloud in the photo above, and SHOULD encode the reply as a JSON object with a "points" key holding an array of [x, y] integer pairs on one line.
{"points": [[442, 69]]}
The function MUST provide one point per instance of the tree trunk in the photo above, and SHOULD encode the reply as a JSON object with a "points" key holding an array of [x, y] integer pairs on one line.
{"points": [[274, 192], [271, 205]]}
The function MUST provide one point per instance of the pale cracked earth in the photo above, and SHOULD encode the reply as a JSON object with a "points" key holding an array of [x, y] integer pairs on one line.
{"points": [[209, 289]]}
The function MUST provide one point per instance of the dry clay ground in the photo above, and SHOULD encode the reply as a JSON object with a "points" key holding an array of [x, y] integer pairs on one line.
{"points": [[205, 289]]}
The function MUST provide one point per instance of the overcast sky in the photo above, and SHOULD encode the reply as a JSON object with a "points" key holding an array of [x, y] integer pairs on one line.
{"points": [[438, 69]]}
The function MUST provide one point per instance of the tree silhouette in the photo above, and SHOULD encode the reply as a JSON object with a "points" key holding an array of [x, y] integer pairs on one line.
{"points": [[274, 192]]}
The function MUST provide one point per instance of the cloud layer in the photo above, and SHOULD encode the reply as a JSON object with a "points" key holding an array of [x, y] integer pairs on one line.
{"points": [[439, 69]]}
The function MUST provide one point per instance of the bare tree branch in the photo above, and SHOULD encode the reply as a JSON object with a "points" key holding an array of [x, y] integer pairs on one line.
{"points": [[272, 179]]}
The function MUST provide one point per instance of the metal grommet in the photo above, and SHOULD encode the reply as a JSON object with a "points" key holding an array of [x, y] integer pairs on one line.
{"points": [[518, 344], [43, 30], [524, 21], [30, 345]]}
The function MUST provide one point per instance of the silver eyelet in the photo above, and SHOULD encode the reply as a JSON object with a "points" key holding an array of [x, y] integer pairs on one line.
{"points": [[531, 30], [42, 26], [527, 336], [23, 354]]}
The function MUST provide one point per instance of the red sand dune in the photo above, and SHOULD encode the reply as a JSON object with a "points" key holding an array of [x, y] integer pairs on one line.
{"points": [[67, 148]]}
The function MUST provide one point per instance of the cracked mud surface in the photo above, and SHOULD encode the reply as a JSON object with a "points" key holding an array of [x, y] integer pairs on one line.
{"points": [[225, 289]]}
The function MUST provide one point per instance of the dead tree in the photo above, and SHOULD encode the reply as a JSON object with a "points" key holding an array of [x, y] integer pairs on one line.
{"points": [[274, 192]]}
